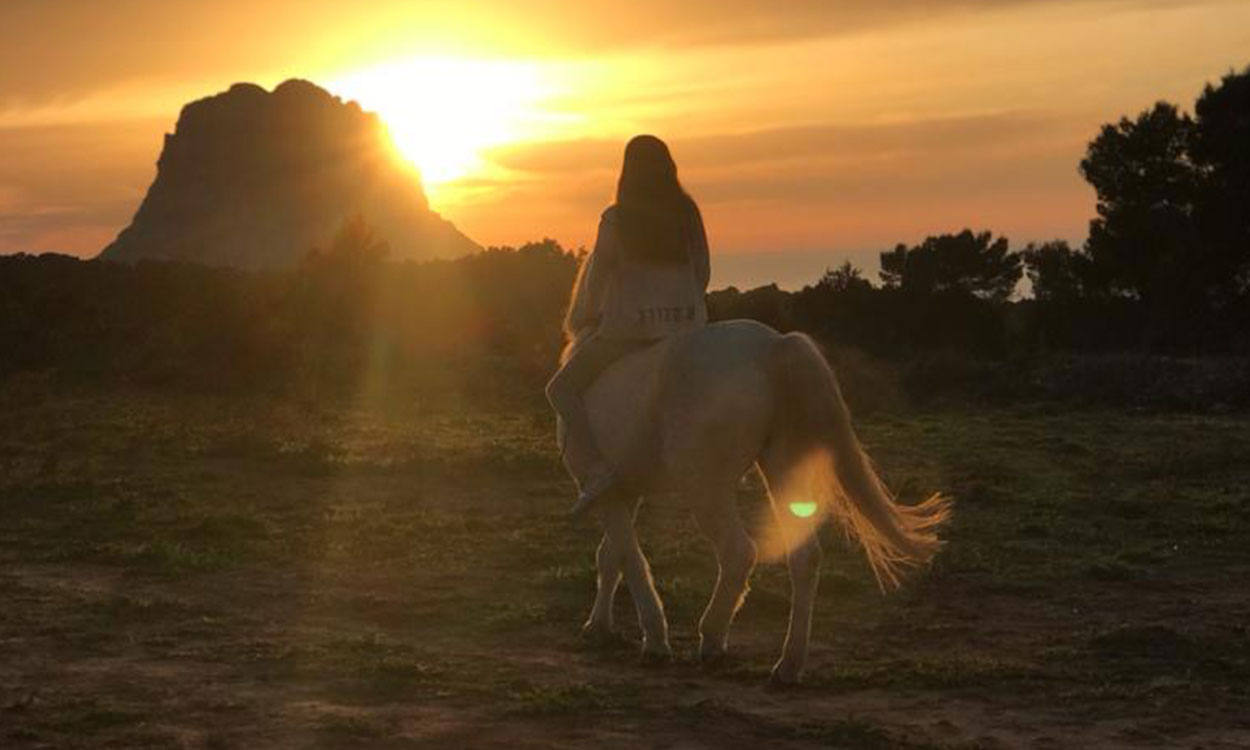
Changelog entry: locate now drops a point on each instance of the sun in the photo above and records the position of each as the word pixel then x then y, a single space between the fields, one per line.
pixel 442 113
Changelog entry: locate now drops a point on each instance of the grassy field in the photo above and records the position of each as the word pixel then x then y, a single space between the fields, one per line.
pixel 212 572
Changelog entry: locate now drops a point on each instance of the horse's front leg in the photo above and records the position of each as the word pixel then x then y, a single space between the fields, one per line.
pixel 599 626
pixel 622 542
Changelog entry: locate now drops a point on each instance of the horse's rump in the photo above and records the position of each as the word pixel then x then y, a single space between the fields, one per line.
pixel 656 410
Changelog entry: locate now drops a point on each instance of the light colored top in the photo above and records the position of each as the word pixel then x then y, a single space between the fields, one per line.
pixel 632 299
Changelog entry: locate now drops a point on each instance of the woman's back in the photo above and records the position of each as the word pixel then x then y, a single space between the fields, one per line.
pixel 648 298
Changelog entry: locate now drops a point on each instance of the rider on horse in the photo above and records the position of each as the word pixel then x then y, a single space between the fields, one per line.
pixel 644 281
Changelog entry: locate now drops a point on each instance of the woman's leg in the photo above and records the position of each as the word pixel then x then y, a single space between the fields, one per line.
pixel 578 449
pixel 566 392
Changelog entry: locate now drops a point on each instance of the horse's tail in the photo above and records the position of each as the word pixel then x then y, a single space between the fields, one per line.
pixel 816 425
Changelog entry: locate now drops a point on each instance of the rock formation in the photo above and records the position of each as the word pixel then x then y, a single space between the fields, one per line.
pixel 255 179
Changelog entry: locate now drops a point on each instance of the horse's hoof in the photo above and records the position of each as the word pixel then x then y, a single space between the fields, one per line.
pixel 655 657
pixel 602 638
pixel 580 509
pixel 784 678
pixel 713 658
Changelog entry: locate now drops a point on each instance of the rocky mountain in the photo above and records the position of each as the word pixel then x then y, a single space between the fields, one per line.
pixel 255 179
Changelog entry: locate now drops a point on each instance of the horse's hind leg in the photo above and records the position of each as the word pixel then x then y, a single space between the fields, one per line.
pixel 621 545
pixel 803 559
pixel 798 527
pixel 717 514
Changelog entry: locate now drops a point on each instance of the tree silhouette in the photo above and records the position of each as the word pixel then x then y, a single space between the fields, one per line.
pixel 1173 225
pixel 977 264
pixel 1146 186
pixel 356 243
pixel 1057 272
pixel 844 278
pixel 1221 149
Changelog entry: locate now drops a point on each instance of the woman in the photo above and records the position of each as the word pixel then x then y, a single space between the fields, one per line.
pixel 644 281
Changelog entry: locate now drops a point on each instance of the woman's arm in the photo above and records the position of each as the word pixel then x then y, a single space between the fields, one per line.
pixel 699 254
pixel 592 281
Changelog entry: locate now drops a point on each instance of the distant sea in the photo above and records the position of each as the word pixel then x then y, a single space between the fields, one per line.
pixel 788 269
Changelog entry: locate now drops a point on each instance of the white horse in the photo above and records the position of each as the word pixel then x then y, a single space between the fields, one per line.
pixel 689 417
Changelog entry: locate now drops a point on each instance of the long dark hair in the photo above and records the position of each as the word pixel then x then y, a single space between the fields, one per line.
pixel 655 216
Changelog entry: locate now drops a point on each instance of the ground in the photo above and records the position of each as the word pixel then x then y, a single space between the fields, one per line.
pixel 221 572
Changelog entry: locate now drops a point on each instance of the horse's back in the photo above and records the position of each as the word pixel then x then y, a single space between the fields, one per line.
pixel 699 399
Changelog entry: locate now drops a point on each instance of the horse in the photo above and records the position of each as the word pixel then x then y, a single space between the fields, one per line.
pixel 687 418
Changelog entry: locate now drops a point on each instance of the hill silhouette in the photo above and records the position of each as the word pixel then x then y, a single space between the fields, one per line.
pixel 255 179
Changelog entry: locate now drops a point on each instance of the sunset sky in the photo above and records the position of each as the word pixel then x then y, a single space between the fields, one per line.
pixel 810 131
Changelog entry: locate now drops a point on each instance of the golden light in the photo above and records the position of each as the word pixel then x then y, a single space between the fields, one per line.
pixel 443 112
pixel 803 500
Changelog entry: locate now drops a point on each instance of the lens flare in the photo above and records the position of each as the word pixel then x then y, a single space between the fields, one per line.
pixel 803 510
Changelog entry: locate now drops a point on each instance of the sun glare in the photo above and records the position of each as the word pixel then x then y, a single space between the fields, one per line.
pixel 442 113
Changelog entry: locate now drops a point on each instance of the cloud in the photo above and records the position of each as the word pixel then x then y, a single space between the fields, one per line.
pixel 53 50
pixel 881 152
pixel 826 142
pixel 833 184
pixel 71 188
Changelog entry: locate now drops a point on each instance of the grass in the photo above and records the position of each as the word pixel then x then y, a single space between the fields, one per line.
pixel 573 699
pixel 382 578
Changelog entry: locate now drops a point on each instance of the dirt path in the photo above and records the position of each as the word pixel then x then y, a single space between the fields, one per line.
pixel 97 656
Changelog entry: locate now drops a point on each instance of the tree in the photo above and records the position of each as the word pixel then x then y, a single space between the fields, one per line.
pixel 977 264
pixel 1146 185
pixel 844 278
pixel 1057 272
pixel 338 298
pixel 1221 150
pixel 355 243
